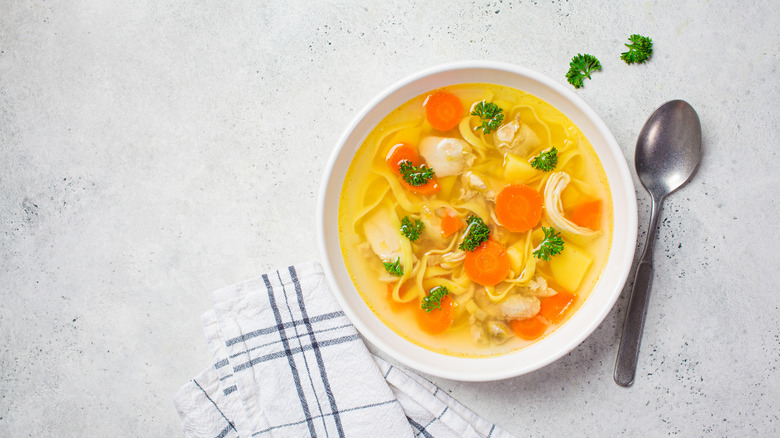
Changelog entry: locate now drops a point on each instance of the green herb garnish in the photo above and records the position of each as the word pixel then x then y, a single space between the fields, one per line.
pixel 551 245
pixel 491 114
pixel 433 299
pixel 394 268
pixel 477 233
pixel 639 50
pixel 414 175
pixel 411 229
pixel 546 161
pixel 581 67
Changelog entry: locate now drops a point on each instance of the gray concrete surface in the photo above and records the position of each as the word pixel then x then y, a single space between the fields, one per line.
pixel 153 151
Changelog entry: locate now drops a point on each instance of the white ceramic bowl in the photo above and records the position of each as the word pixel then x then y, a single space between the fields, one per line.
pixel 566 337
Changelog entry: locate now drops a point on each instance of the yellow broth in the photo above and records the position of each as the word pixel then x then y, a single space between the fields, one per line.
pixel 373 194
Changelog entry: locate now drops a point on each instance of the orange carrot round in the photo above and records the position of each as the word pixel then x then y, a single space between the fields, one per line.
pixel 487 265
pixel 450 224
pixel 403 152
pixel 528 329
pixel 400 153
pixel 437 320
pixel 519 207
pixel 554 308
pixel 587 214
pixel 443 110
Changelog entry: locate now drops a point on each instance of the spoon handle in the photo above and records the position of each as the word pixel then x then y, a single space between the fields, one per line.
pixel 628 352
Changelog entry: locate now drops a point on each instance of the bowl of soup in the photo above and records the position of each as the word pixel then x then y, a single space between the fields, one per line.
pixel 476 221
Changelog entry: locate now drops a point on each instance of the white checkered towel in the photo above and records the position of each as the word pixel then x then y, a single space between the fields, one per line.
pixel 288 363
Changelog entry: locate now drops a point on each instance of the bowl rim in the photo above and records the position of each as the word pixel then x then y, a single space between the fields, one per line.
pixel 626 247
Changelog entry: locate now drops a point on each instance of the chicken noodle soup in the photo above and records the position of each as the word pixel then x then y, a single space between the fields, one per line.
pixel 475 219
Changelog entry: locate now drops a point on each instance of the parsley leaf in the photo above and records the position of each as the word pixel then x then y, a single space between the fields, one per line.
pixel 413 175
pixel 550 246
pixel 546 160
pixel 580 67
pixel 433 299
pixel 477 232
pixel 394 268
pixel 491 114
pixel 639 50
pixel 411 229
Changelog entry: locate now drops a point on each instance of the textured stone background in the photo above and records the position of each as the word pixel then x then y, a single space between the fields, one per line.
pixel 153 152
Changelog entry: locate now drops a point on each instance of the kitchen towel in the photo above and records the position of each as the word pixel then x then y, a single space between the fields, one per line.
pixel 288 363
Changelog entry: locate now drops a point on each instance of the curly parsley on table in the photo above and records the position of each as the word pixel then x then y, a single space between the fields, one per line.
pixel 581 67
pixel 639 50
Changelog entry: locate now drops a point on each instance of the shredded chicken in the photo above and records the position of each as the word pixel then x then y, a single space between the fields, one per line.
pixel 538 286
pixel 473 185
pixel 554 208
pixel 506 133
pixel 517 137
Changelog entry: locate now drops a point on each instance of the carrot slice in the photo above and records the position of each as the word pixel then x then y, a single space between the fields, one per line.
pixel 587 214
pixel 443 110
pixel 437 320
pixel 403 152
pixel 450 224
pixel 487 265
pixel 554 308
pixel 519 207
pixel 400 153
pixel 528 329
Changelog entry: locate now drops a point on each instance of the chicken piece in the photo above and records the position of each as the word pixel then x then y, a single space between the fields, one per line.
pixel 498 331
pixel 520 307
pixel 478 335
pixel 474 181
pixel 506 133
pixel 554 208
pixel 538 287
pixel 446 156
pixel 384 238
pixel 517 137
pixel 473 184
pixel 432 228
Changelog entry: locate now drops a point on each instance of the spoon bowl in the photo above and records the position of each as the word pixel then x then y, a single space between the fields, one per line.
pixel 668 152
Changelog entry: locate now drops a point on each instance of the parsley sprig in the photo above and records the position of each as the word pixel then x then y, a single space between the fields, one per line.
pixel 546 160
pixel 433 299
pixel 580 67
pixel 639 50
pixel 414 175
pixel 491 115
pixel 394 268
pixel 411 230
pixel 551 245
pixel 477 232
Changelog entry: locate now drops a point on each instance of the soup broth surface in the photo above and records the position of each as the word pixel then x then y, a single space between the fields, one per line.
pixel 407 247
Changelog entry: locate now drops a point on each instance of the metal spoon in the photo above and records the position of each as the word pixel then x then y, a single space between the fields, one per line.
pixel 668 152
